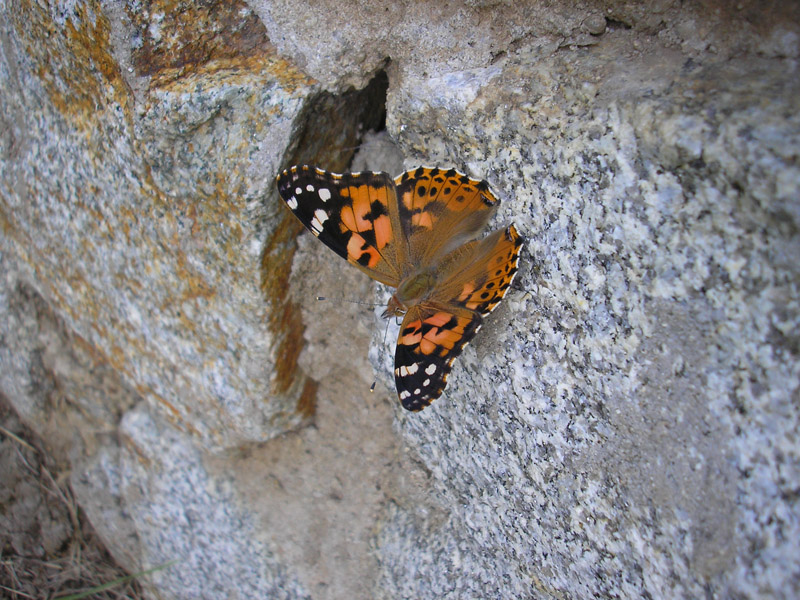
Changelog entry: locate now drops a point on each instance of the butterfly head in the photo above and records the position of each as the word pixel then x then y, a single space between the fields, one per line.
pixel 395 308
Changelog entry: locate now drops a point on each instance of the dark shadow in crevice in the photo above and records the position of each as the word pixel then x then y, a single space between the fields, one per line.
pixel 329 130
pixel 332 125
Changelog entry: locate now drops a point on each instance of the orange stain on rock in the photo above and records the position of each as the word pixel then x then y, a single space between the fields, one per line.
pixel 284 320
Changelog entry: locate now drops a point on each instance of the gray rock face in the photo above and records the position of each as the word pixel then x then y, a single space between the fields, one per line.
pixel 625 424
pixel 102 206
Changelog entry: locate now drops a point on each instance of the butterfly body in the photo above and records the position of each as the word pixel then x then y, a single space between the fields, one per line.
pixel 412 290
pixel 414 233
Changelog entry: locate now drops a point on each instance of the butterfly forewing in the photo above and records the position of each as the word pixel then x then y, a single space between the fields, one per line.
pixel 354 214
pixel 440 210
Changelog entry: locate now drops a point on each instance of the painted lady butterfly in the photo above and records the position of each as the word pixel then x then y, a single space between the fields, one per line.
pixel 414 233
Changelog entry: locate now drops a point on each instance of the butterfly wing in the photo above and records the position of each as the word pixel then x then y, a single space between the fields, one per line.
pixel 477 275
pixel 388 229
pixel 474 279
pixel 441 209
pixel 354 214
pixel 430 339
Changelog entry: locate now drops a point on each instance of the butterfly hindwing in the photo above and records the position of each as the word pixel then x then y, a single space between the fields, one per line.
pixel 477 275
pixel 354 214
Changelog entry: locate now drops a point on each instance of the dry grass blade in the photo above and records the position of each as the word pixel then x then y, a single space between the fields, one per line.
pixel 16 438
pixel 17 593
pixel 47 545
pixel 115 583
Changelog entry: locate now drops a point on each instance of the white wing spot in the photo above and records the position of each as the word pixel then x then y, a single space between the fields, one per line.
pixel 324 194
pixel 320 216
pixel 431 369
pixel 310 187
pixel 417 392
pixel 292 203
pixel 404 394
pixel 408 370
pixel 298 190
pixel 426 383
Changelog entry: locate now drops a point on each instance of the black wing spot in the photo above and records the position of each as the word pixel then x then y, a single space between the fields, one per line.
pixel 369 238
pixel 376 210
pixel 410 330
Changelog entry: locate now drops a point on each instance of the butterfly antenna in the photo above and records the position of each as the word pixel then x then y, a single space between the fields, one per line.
pixel 367 143
pixel 385 333
pixel 360 302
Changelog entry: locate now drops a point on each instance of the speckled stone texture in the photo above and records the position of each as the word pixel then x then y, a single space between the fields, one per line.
pixel 624 425
pixel 132 197
pixel 635 427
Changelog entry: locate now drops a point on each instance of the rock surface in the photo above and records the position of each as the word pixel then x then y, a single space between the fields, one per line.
pixel 624 425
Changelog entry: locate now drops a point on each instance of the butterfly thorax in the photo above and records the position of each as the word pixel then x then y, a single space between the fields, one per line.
pixel 411 291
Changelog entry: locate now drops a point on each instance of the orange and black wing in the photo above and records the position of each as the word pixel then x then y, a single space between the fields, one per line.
pixel 477 275
pixel 441 209
pixel 429 342
pixel 354 214
pixel 474 279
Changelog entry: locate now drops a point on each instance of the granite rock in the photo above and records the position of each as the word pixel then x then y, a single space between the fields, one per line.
pixel 621 427
pixel 624 425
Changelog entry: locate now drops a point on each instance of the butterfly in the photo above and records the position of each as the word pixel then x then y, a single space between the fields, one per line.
pixel 415 233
